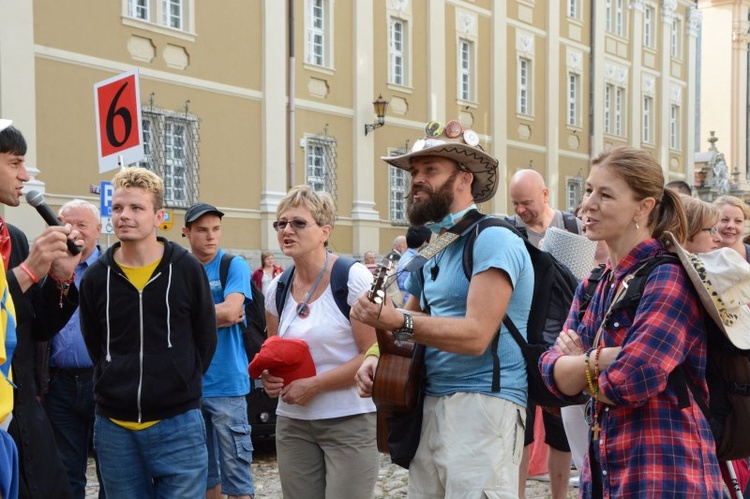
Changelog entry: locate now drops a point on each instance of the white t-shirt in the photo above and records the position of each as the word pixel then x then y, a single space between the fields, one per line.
pixel 329 335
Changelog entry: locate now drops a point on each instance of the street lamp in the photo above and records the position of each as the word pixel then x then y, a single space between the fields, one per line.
pixel 379 106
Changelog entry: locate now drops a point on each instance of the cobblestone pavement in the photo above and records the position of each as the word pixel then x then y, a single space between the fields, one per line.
pixel 392 480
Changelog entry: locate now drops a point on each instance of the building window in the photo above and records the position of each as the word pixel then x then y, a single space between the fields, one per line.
pixel 320 164
pixel 648 107
pixel 170 144
pixel 674 127
pixel 524 86
pixel 614 10
pixel 573 194
pixel 465 69
pixel 169 13
pixel 399 185
pixel 614 110
pixel 573 9
pixel 649 27
pixel 676 39
pixel 316 32
pixel 573 98
pixel 397 73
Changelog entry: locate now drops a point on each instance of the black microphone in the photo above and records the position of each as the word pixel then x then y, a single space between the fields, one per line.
pixel 36 199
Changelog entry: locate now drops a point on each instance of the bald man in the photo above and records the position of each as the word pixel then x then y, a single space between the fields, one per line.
pixel 530 198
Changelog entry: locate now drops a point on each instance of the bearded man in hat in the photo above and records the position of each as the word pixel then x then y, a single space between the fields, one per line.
pixel 226 383
pixel 472 435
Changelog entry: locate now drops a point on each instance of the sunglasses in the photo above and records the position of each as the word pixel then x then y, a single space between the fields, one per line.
pixel 280 225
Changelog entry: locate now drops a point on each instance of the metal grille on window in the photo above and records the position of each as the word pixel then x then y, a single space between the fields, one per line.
pixel 321 164
pixel 171 150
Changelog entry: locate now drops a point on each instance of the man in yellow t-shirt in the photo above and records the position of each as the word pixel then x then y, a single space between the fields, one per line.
pixel 148 320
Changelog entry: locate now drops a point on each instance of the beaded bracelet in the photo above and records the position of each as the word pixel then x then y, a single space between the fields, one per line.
pixel 63 285
pixel 589 378
pixel 597 372
pixel 29 273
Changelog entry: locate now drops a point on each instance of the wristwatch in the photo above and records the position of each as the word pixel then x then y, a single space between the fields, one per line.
pixel 406 332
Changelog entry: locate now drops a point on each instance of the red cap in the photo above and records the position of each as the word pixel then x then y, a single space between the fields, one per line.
pixel 288 359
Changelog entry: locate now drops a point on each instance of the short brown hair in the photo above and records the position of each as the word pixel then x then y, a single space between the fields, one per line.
pixel 141 178
pixel 700 215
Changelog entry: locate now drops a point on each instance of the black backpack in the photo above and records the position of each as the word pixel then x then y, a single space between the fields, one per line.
pixel 254 332
pixel 554 287
pixel 727 369
pixel 339 285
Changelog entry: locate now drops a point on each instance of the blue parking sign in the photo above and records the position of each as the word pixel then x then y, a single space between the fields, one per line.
pixel 105 198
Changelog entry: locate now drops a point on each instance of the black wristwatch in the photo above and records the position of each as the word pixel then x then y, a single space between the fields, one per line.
pixel 406 332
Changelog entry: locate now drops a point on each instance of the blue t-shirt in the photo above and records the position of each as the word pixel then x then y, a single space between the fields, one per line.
pixel 227 375
pixel 449 373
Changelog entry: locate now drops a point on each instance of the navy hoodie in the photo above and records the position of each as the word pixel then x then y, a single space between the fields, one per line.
pixel 150 348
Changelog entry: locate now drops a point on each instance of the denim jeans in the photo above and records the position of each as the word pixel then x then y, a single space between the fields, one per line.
pixel 167 459
pixel 230 448
pixel 69 404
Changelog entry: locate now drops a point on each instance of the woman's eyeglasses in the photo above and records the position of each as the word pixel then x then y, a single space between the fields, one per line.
pixel 280 225
pixel 714 231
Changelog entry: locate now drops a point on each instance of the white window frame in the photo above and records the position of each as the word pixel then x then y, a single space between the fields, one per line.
pixel 574 98
pixel 608 91
pixel 524 80
pixel 320 174
pixel 465 64
pixel 619 116
pixel 615 102
pixel 573 11
pixel 397 67
pixel 649 27
pixel 608 15
pixel 573 193
pixel 168 17
pixel 317 33
pixel 170 146
pixel 619 17
pixel 675 39
pixel 674 127
pixel 398 182
pixel 648 119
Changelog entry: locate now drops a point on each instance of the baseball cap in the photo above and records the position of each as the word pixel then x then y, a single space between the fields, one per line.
pixel 286 358
pixel 197 210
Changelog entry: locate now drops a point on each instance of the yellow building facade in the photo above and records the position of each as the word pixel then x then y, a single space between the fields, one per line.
pixel 545 84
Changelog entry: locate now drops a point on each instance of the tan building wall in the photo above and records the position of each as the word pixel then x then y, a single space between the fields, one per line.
pixel 228 68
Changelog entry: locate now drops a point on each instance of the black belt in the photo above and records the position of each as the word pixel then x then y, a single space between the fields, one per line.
pixel 74 372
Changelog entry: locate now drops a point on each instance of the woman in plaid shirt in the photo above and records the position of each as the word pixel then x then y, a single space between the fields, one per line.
pixel 642 443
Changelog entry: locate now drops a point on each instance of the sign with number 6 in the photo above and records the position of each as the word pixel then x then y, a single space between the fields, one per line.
pixel 119 134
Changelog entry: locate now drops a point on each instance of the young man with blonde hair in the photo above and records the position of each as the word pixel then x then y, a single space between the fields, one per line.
pixel 148 320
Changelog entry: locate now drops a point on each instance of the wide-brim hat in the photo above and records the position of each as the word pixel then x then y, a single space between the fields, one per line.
pixel 5 124
pixel 722 280
pixel 285 358
pixel 459 144
pixel 574 251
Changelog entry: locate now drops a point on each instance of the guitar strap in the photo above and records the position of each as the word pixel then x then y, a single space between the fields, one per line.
pixel 462 228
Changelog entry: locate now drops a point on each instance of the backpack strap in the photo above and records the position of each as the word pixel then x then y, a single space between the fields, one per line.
pixel 226 260
pixel 339 285
pixel 592 282
pixel 570 222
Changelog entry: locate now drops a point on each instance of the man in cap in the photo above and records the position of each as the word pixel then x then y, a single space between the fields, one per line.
pixel 226 383
pixel 530 198
pixel 43 291
pixel 472 435
pixel 150 328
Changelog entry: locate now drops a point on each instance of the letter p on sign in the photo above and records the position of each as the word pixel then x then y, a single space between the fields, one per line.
pixel 118 121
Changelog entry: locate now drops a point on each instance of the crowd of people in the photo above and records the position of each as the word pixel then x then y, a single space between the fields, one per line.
pixel 138 348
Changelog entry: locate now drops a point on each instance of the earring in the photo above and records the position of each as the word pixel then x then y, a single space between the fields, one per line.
pixel 637 225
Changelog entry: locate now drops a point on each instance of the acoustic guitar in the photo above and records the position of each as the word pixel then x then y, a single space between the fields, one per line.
pixel 398 377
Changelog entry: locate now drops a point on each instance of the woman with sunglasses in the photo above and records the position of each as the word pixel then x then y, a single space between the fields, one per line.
pixel 325 433
pixel 641 442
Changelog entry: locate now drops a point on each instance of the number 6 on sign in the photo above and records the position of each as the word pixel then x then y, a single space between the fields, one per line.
pixel 118 120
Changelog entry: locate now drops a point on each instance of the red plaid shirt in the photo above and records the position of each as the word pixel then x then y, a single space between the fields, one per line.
pixel 648 447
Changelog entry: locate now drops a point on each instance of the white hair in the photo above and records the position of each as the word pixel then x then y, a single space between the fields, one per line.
pixel 79 203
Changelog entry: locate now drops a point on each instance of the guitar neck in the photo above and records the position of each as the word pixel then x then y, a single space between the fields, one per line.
pixel 388 345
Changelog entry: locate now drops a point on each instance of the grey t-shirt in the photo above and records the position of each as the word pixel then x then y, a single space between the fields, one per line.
pixel 536 237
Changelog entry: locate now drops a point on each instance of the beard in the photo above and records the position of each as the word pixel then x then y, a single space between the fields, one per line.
pixel 435 207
